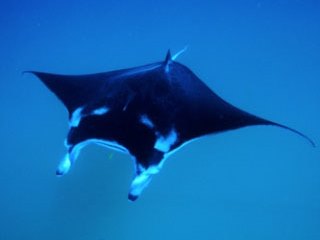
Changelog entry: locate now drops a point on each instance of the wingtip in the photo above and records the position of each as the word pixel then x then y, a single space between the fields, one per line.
pixel 31 72
pixel 307 138
pixel 26 72
pixel 313 144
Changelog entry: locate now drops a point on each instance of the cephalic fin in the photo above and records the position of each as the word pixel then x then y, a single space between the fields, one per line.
pixel 142 180
pixel 168 57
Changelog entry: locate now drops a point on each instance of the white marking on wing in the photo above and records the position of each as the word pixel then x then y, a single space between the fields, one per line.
pixel 76 117
pixel 164 143
pixel 157 168
pixel 144 119
pixel 100 111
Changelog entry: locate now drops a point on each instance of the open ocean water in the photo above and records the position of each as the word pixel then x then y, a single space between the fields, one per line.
pixel 253 183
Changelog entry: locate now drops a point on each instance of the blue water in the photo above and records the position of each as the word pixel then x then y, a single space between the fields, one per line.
pixel 253 183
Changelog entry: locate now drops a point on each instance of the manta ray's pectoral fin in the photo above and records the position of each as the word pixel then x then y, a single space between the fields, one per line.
pixel 141 181
pixel 70 157
pixel 68 160
pixel 144 173
pixel 64 165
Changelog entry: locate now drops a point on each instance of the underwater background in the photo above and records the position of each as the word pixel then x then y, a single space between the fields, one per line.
pixel 252 183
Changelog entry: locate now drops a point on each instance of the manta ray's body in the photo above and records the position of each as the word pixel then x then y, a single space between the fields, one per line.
pixel 147 111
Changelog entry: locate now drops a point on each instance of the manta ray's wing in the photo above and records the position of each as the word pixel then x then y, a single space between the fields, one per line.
pixel 201 111
pixel 148 112
pixel 74 90
pixel 107 109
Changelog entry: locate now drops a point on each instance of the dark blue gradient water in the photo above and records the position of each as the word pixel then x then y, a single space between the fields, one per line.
pixel 253 183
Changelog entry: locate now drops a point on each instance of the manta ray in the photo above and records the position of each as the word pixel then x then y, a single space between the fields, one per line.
pixel 148 112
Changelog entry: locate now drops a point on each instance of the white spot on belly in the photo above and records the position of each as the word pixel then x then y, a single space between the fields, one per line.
pixel 164 143
pixel 144 119
pixel 100 111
